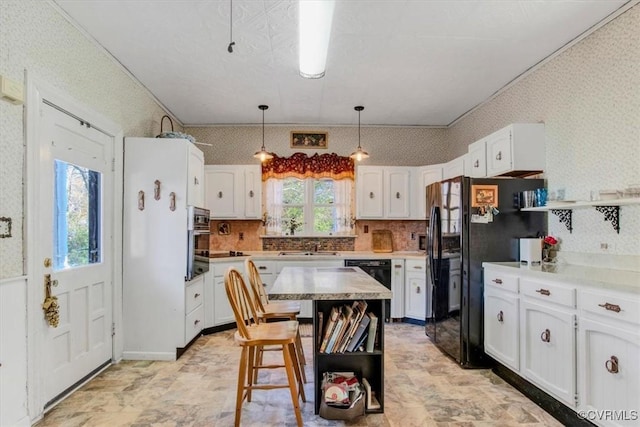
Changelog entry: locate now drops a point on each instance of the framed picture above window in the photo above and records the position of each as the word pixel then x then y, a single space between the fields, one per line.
pixel 309 139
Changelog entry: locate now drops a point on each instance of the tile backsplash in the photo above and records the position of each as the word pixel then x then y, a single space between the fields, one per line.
pixel 245 236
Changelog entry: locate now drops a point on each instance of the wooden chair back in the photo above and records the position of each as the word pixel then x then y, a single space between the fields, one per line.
pixel 257 286
pixel 241 302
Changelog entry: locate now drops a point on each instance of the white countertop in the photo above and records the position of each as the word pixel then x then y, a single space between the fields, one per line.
pixel 326 283
pixel 341 255
pixel 603 278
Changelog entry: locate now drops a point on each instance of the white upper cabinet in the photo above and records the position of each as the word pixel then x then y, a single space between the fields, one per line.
pixel 454 168
pixel 234 191
pixel 369 192
pixel 397 187
pixel 195 183
pixel 476 166
pixel 223 195
pixel 252 191
pixel 383 192
pixel 516 150
pixel 424 176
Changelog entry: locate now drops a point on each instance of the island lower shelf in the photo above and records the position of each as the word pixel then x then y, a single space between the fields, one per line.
pixel 369 365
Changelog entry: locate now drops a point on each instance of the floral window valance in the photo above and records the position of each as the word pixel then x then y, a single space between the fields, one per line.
pixel 301 166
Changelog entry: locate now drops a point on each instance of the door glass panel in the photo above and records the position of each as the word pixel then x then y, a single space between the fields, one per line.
pixel 76 228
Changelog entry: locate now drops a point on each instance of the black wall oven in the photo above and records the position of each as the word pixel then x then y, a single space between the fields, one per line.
pixel 198 240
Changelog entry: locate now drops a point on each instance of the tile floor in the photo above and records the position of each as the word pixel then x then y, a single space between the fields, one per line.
pixel 422 388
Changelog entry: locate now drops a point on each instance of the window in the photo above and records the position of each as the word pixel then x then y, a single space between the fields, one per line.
pixel 308 206
pixel 77 216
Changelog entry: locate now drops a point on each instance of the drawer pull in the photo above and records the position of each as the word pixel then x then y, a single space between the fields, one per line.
pixel 612 365
pixel 476 164
pixel 397 194
pixel 262 267
pixel 610 307
pixel 195 322
pixel 417 289
pixel 398 266
pixel 371 196
pixel 417 267
pixel 498 281
pixel 501 317
pixel 251 193
pixel 196 295
pixel 499 155
pixel 544 292
pixel 219 194
pixel 546 336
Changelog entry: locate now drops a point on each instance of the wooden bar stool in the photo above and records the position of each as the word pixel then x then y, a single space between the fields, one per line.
pixel 268 310
pixel 252 337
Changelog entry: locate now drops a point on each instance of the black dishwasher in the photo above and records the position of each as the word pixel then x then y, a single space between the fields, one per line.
pixel 379 269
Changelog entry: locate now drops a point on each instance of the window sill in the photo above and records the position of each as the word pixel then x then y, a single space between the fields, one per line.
pixel 307 236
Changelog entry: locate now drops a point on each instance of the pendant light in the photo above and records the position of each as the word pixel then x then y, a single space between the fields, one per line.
pixel 263 154
pixel 359 154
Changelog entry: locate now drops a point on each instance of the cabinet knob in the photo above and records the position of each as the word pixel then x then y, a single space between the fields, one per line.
pixel 371 195
pixel 546 336
pixel 172 201
pixel 195 322
pixel 544 292
pixel 476 164
pixel 195 180
pixel 397 194
pixel 417 289
pixel 498 281
pixel 251 193
pixel 196 295
pixel 612 365
pixel 610 307
pixel 499 155
pixel 219 194
pixel 500 316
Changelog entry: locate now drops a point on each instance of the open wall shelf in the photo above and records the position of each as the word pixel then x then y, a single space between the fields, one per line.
pixel 609 208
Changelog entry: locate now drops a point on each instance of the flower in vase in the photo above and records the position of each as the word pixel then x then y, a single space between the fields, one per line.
pixel 549 242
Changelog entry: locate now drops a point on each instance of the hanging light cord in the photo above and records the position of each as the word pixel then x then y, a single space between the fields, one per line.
pixel 263 149
pixel 359 147
pixel 232 43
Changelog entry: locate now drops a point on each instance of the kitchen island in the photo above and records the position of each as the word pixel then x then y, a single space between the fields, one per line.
pixel 334 286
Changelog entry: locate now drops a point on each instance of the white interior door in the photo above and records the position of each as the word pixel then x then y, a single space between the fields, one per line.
pixel 75 247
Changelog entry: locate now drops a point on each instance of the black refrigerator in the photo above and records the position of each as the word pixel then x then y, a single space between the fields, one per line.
pixel 472 220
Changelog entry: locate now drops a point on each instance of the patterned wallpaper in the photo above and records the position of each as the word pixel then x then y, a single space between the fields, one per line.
pixel 386 145
pixel 589 99
pixel 36 38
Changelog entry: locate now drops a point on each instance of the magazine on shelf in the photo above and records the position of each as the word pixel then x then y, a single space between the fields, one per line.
pixel 373 326
pixel 331 323
pixel 363 327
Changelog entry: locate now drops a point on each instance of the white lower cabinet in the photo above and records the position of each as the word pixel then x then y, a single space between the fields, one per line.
pixel 415 291
pixel 580 344
pixel 194 317
pixel 548 343
pixel 222 312
pixel 609 356
pixel 397 289
pixel 502 326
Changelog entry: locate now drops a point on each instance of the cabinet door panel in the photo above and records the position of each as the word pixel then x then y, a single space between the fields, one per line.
pixel 548 350
pixel 195 180
pixel 223 313
pixel 499 152
pixel 370 201
pixel 501 328
pixel 599 388
pixel 416 296
pixel 252 192
pixel 222 194
pixel 397 192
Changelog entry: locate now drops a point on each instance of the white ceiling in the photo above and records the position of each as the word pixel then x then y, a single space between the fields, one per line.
pixel 409 62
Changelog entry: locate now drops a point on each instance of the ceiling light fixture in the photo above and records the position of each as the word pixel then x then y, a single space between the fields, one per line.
pixel 263 154
pixel 359 154
pixel 314 29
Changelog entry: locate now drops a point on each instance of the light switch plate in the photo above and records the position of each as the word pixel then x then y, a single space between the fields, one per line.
pixel 11 90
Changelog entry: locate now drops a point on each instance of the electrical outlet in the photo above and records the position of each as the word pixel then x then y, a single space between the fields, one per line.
pixel 605 247
pixel 366 228
pixel 413 236
pixel 241 236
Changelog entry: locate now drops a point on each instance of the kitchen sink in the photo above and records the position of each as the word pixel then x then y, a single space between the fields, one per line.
pixel 308 253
